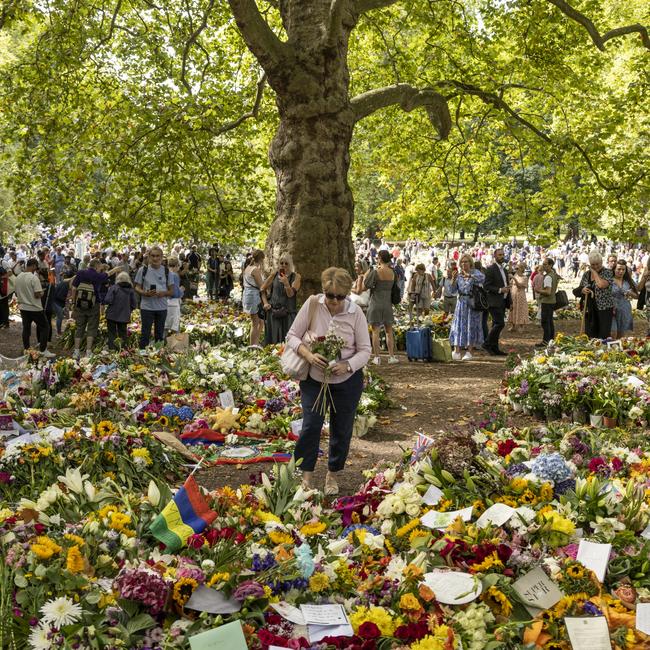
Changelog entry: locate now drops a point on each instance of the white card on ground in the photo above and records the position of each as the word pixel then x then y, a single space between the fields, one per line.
pixel 496 514
pixel 589 633
pixel 291 613
pixel 594 556
pixel 432 496
pixel 24 439
pixel 537 590
pixel 441 520
pixel 238 452
pixel 324 614
pixel 318 632
pixel 239 332
pixel 646 532
pixel 296 427
pixel 227 399
pixel 643 617
pixel 453 587
pixel 205 599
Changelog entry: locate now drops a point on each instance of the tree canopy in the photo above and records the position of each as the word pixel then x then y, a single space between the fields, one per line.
pixel 159 117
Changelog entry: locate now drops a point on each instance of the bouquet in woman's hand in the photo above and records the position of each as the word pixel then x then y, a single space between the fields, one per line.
pixel 330 347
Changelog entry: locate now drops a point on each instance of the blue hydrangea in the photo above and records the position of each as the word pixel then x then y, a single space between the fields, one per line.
pixel 185 413
pixel 169 411
pixel 551 467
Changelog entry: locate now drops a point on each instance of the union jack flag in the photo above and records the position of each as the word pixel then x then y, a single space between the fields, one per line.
pixel 422 443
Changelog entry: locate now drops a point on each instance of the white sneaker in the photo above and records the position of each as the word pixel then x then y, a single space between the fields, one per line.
pixel 76 354
pixel 467 356
pixel 456 356
pixel 48 355
pixel 376 361
pixel 393 360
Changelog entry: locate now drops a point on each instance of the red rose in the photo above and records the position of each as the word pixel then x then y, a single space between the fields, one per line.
pixel 39 529
pixel 195 541
pixel 369 630
pixel 505 448
pixel 617 464
pixel 260 403
pixel 211 536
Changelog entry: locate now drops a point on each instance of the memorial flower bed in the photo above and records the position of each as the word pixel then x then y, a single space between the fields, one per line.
pixel 578 377
pixel 82 569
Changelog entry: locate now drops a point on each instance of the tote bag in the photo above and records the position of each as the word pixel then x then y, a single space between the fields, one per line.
pixel 292 363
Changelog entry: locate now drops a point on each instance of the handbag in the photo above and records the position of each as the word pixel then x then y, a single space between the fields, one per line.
pixel 561 300
pixel 395 294
pixel 478 299
pixel 279 312
pixel 261 312
pixel 292 363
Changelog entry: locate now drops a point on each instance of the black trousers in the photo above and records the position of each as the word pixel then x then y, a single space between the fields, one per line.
pixel 598 325
pixel 116 329
pixel 498 323
pixel 343 409
pixel 42 328
pixel 4 311
pixel 548 326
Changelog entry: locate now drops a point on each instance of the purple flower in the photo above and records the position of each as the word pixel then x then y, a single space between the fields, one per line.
pixel 142 586
pixel 248 589
pixel 523 389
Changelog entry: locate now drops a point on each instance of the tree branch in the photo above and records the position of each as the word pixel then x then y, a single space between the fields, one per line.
pixel 497 101
pixel 361 6
pixel 598 39
pixel 408 98
pixel 268 49
pixel 334 21
pixel 190 41
pixel 249 114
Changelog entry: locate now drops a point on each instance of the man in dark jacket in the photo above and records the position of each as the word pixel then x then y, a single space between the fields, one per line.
pixel 498 292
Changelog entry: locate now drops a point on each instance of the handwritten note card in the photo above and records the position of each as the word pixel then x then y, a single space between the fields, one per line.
pixel 227 399
pixel 229 636
pixel 643 617
pixel 595 557
pixel 442 520
pixel 324 614
pixel 497 515
pixel 537 591
pixel 432 496
pixel 296 427
pixel 588 633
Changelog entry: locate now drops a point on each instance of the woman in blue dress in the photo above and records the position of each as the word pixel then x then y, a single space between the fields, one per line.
pixel 466 330
pixel 623 288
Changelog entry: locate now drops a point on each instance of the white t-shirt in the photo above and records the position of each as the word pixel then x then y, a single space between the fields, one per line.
pixel 548 282
pixel 26 286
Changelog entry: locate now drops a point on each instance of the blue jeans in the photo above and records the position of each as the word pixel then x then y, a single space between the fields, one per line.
pixel 342 411
pixel 157 319
pixel 59 310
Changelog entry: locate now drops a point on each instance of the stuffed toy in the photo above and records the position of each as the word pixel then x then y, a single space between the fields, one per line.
pixel 223 420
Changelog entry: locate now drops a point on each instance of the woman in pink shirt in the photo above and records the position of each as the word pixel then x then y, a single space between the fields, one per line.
pixel 334 313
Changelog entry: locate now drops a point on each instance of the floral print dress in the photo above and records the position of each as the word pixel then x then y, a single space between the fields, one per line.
pixel 466 329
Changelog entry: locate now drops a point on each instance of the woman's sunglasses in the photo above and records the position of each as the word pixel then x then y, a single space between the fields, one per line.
pixel 335 296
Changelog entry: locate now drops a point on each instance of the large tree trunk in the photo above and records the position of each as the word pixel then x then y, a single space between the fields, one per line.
pixel 314 205
pixel 310 152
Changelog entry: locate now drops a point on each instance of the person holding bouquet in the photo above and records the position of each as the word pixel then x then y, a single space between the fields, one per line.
pixel 331 333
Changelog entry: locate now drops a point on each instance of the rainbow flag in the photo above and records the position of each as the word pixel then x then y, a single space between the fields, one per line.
pixel 187 514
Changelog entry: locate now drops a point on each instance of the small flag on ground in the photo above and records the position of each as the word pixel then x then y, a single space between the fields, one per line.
pixel 420 448
pixel 186 514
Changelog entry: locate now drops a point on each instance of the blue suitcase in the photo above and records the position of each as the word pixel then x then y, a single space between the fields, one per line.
pixel 418 344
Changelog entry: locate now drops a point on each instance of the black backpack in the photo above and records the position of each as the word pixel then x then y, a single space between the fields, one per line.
pixel 478 299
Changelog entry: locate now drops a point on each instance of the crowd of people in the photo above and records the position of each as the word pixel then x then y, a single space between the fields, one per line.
pixel 454 275
pixel 52 283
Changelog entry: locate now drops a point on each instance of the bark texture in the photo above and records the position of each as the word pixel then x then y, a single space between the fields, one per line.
pixel 310 152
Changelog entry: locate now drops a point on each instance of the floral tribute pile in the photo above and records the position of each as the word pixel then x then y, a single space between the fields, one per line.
pixel 578 377
pixel 205 322
pixel 539 525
